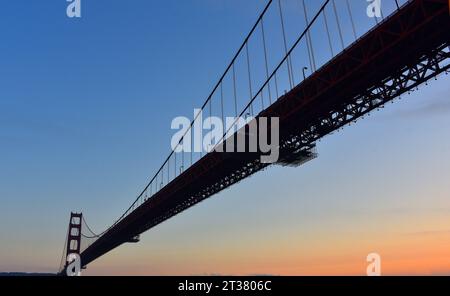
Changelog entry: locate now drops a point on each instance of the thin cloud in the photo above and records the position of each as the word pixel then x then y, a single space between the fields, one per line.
pixel 429 232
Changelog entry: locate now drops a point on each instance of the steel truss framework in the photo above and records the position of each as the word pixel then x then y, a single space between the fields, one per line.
pixel 377 96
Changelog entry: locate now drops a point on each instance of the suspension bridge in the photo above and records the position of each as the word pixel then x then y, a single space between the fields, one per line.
pixel 318 66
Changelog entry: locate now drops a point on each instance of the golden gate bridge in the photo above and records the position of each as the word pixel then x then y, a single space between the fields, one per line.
pixel 325 78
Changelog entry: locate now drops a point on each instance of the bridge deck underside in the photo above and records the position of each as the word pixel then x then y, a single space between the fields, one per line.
pixel 404 51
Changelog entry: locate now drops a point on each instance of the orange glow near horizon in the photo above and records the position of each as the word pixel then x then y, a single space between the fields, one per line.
pixel 408 254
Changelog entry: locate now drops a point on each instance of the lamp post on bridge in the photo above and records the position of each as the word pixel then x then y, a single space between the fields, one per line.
pixel 303 71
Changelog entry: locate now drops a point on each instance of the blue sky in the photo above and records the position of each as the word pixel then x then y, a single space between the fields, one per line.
pixel 85 112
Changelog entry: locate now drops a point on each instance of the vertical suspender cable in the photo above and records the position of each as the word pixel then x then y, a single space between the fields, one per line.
pixel 182 157
pixel 276 85
pixel 221 101
pixel 192 142
pixel 201 146
pixel 328 33
pixel 249 78
pixel 309 40
pixel 234 91
pixel 351 18
pixel 262 99
pixel 288 62
pixel 338 25
pixel 210 120
pixel 265 59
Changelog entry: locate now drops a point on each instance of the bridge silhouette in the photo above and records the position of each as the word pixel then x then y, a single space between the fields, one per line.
pixel 326 77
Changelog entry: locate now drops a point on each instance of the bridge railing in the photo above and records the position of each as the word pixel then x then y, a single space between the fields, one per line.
pixel 290 40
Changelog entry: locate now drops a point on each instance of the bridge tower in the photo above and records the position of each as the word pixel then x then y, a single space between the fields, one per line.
pixel 74 234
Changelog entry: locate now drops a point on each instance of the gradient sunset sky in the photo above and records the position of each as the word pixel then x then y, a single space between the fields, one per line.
pixel 85 113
